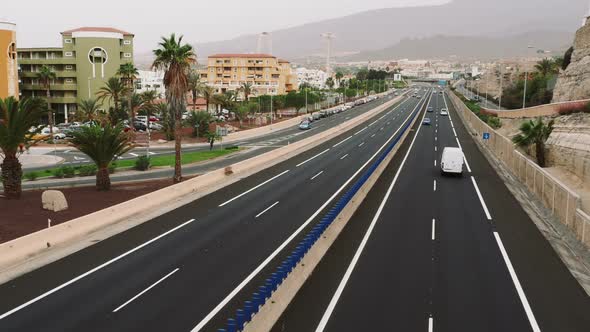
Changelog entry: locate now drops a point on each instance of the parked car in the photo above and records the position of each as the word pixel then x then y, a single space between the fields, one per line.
pixel 316 116
pixel 156 126
pixel 139 126
pixel 452 161
pixel 59 136
pixel 305 125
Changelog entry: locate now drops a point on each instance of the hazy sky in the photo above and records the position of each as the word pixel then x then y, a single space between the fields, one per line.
pixel 40 22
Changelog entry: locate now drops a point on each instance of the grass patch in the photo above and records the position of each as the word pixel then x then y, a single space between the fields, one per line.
pixel 156 161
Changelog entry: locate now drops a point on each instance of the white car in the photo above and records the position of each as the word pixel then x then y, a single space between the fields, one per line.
pixel 444 112
pixel 451 161
pixel 59 136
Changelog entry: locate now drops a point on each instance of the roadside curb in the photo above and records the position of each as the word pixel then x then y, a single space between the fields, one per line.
pixel 32 251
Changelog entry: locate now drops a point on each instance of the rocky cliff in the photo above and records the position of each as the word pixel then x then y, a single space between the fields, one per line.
pixel 574 82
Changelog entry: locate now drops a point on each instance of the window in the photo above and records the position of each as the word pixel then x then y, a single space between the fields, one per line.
pixel 67 41
pixel 69 67
pixel 127 42
pixel 69 54
pixel 69 81
pixel 126 55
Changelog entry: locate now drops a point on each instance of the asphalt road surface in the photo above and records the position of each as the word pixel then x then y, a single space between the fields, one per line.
pixel 189 269
pixel 427 252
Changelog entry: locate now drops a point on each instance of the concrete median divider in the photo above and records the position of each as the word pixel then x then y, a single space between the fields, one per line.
pixel 32 251
pixel 272 298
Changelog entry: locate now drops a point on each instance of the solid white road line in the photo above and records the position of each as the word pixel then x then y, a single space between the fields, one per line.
pixel 151 153
pixel 430 324
pixel 315 176
pixel 267 209
pixel 272 256
pixel 363 143
pixel 341 142
pixel 146 290
pixel 344 157
pixel 483 203
pixel 454 132
pixel 252 189
pixel 433 229
pixel 350 269
pixel 434 185
pixel 44 295
pixel 134 154
pixel 521 294
pixel 312 158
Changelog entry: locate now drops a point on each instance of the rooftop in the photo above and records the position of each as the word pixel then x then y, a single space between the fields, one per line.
pixel 242 55
pixel 96 29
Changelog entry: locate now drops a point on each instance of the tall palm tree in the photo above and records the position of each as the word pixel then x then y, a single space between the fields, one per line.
pixel 339 77
pixel 46 75
pixel 102 145
pixel 89 109
pixel 246 89
pixel 537 133
pixel 113 90
pixel 16 117
pixel 194 86
pixel 545 67
pixel 207 92
pixel 128 73
pixel 149 97
pixel 175 58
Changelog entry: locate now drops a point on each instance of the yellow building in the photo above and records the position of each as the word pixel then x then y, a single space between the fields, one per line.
pixel 8 66
pixel 267 74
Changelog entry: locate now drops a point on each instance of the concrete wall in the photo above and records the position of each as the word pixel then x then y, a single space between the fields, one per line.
pixel 563 202
pixel 537 111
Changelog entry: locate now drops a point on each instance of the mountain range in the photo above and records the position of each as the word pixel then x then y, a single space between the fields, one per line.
pixel 380 32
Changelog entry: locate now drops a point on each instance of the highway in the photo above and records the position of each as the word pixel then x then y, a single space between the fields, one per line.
pixel 189 269
pixel 427 252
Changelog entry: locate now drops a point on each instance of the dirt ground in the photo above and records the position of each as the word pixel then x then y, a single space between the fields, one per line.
pixel 25 216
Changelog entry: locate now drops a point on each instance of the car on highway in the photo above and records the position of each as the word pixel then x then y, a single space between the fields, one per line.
pixel 430 109
pixel 305 125
pixel 451 161
pixel 426 121
pixel 444 112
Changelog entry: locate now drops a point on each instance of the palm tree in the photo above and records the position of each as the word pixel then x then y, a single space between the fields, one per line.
pixel 16 117
pixel 89 109
pixel 339 77
pixel 545 67
pixel 246 89
pixel 194 86
pixel 149 97
pixel 128 73
pixel 175 58
pixel 207 92
pixel 102 145
pixel 46 75
pixel 537 133
pixel 113 90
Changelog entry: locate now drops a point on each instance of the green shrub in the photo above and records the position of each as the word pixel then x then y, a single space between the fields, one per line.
pixel 69 172
pixel 59 173
pixel 494 122
pixel 142 163
pixel 31 176
pixel 87 170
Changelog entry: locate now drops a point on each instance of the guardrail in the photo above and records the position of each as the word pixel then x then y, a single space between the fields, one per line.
pixel 562 201
pixel 258 299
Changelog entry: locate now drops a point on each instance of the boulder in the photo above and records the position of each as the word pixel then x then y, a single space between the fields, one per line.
pixel 54 200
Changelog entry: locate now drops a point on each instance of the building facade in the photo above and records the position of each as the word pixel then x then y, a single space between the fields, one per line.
pixel 150 80
pixel 87 58
pixel 267 74
pixel 8 62
pixel 314 77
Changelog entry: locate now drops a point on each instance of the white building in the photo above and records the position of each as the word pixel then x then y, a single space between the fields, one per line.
pixel 150 80
pixel 314 77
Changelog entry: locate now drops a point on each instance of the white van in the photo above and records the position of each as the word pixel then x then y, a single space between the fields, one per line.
pixel 451 161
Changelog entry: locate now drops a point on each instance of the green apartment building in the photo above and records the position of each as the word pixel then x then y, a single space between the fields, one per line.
pixel 87 59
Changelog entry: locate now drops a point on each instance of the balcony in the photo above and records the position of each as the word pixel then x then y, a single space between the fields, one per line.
pixel 64 100
pixel 59 74
pixel 54 87
pixel 57 61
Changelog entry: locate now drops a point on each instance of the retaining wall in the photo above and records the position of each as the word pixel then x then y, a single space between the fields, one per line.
pixel 563 202
pixel 537 111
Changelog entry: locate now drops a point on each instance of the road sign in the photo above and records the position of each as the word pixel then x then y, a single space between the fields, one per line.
pixel 486 136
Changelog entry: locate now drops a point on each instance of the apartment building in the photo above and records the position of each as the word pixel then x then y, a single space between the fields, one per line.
pixel 267 74
pixel 87 58
pixel 8 65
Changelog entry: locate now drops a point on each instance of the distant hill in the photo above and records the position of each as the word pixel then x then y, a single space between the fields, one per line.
pixel 379 29
pixel 470 47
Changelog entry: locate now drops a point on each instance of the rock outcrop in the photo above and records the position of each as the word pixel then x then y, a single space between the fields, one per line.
pixel 574 82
